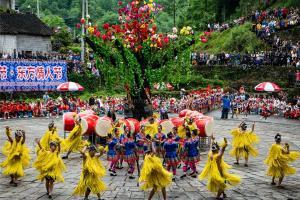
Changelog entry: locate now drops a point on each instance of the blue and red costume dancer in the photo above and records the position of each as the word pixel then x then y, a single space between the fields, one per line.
pixel 130 157
pixel 159 139
pixel 141 141
pixel 112 154
pixel 171 158
pixel 192 154
pixel 119 148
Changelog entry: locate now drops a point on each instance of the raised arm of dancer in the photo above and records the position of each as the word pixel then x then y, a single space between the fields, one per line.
pixel 23 138
pixel 8 134
pixel 37 141
pixel 82 152
pixel 223 148
pixel 253 125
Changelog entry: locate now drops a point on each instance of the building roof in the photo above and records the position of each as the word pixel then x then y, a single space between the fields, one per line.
pixel 27 24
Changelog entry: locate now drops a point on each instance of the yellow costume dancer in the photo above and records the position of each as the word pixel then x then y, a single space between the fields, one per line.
pixel 154 176
pixel 278 160
pixel 151 128
pixel 215 171
pixel 92 172
pixel 50 165
pixel 243 143
pixel 117 125
pixel 50 135
pixel 17 156
pixel 74 141
pixel 188 124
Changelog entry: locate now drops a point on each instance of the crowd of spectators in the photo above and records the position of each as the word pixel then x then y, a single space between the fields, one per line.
pixel 260 105
pixel 266 24
pixel 270 21
pixel 275 57
pixel 202 101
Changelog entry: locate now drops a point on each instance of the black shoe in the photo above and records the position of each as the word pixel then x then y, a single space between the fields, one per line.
pixel 273 183
pixel 14 184
pixel 173 179
pixel 236 163
pixel 178 167
pixel 246 165
pixel 280 187
pixel 64 157
pixel 183 176
pixel 50 196
pixel 131 177
pixel 113 174
pixel 110 170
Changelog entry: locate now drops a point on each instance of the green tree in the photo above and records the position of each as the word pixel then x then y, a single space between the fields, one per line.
pixel 54 21
pixel 61 39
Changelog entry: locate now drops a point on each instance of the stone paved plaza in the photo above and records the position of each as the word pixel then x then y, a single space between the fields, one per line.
pixel 255 184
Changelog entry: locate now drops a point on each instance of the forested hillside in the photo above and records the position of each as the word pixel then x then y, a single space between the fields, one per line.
pixel 195 13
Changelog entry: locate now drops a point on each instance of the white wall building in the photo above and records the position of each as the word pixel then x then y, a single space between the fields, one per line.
pixel 23 33
pixel 9 4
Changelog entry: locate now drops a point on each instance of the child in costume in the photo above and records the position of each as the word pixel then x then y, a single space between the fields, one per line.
pixel 192 156
pixel 140 139
pixel 215 171
pixel 112 154
pixel 129 155
pixel 92 172
pixel 17 156
pixel 278 160
pixel 74 141
pixel 153 175
pixel 50 165
pixel 50 135
pixel 119 148
pixel 171 158
pixel 159 139
pixel 243 143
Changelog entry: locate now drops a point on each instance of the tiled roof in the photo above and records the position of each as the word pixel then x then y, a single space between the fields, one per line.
pixel 28 24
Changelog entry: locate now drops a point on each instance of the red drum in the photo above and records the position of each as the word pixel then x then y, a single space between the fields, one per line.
pixel 103 126
pixel 196 114
pixel 177 121
pixel 205 126
pixel 167 126
pixel 89 112
pixel 135 123
pixel 89 124
pixel 68 121
pixel 107 118
pixel 183 112
pixel 144 122
pixel 188 113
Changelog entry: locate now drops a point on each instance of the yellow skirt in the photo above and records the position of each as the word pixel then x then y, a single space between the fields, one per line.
pixel 153 175
pixel 241 151
pixel 279 167
pixel 89 181
pixel 15 163
pixel 73 145
pixel 50 166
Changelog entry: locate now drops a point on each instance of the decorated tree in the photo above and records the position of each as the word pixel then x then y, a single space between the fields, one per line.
pixel 129 51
